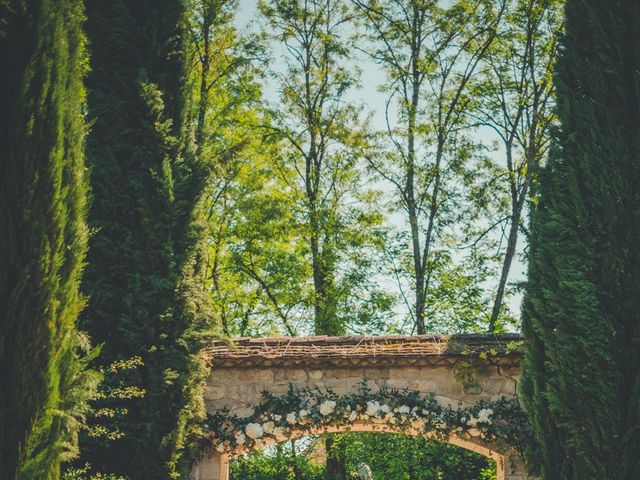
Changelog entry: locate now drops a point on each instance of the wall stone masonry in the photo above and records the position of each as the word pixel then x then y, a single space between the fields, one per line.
pixel 458 369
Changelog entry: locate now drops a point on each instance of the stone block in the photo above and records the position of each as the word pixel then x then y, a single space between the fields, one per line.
pixel 256 375
pixel 244 393
pixel 215 392
pixel 294 375
pixel 398 383
pixel 492 386
pixel 377 373
pixel 424 386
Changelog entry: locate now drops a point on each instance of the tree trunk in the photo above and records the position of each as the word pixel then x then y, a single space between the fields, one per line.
pixel 335 461
pixel 512 242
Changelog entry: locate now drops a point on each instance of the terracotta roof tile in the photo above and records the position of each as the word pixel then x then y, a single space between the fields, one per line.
pixel 296 351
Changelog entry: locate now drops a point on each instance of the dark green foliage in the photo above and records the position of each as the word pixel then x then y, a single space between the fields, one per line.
pixel 582 314
pixel 145 302
pixel 43 235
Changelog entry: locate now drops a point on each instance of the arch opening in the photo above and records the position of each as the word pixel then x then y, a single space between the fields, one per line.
pixel 384 455
pixel 216 466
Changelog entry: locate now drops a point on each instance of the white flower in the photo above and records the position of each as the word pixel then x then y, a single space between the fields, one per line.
pixel 291 418
pixel 372 408
pixel 254 430
pixel 384 408
pixel 404 409
pixel 303 413
pixel 472 422
pixel 268 427
pixel 353 416
pixel 221 448
pixel 327 407
pixel 240 438
pixel 277 418
pixel 484 414
pixel 278 432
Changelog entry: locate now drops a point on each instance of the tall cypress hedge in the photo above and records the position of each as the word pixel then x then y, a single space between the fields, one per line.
pixel 146 304
pixel 43 234
pixel 581 381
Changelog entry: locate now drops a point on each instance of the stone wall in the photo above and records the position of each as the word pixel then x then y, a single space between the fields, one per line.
pixel 454 375
pixel 238 388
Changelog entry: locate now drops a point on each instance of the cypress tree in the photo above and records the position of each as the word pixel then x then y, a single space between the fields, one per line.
pixel 43 234
pixel 145 307
pixel 581 380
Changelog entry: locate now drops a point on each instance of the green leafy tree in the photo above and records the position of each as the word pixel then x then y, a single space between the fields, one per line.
pixel 290 461
pixel 43 236
pixel 402 457
pixel 515 99
pixel 429 51
pixel 580 379
pixel 253 269
pixel 323 143
pixel 147 306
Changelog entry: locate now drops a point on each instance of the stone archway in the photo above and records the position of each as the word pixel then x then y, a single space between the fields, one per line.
pixel 459 370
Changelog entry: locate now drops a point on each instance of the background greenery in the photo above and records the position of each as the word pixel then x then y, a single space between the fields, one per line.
pixel 390 457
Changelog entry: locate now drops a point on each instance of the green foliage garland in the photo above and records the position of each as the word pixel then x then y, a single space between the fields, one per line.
pixel 501 423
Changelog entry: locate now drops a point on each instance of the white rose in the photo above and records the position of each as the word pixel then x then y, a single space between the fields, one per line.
pixel 385 408
pixel 353 416
pixel 278 432
pixel 291 418
pixel 303 413
pixel 484 414
pixel 327 407
pixel 404 409
pixel 268 427
pixel 220 448
pixel 254 430
pixel 372 408
pixel 240 438
pixel 277 418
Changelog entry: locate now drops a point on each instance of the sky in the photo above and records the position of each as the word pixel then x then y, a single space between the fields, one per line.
pixel 247 19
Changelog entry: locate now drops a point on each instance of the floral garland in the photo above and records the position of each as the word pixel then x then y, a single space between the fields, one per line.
pixel 501 423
